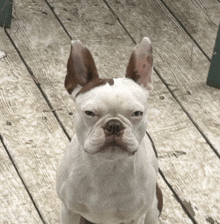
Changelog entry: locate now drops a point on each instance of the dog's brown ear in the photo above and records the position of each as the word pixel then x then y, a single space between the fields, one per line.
pixel 81 67
pixel 140 66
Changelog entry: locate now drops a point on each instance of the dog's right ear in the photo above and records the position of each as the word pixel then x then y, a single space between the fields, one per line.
pixel 81 68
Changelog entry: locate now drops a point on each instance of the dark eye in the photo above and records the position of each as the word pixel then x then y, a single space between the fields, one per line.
pixel 90 113
pixel 137 114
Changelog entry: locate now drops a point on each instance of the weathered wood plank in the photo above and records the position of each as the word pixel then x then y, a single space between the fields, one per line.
pixel 33 137
pixel 172 211
pixel 200 18
pixel 181 64
pixel 186 159
pixel 45 47
pixel 184 156
pixel 15 203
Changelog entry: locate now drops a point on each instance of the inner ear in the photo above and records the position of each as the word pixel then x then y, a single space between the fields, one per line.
pixel 140 66
pixel 81 68
pixel 132 71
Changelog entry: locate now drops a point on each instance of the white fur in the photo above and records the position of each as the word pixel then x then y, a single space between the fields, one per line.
pixel 109 186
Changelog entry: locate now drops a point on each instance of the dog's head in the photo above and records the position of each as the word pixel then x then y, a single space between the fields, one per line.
pixel 111 114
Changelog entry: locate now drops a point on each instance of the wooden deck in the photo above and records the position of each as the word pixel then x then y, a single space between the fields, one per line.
pixel 36 113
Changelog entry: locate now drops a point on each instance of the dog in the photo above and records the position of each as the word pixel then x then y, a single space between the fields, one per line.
pixel 108 173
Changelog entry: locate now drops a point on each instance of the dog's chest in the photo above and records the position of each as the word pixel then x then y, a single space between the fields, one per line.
pixel 115 191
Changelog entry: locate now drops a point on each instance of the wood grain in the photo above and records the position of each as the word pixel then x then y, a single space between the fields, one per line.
pixel 45 47
pixel 172 211
pixel 200 18
pixel 33 138
pixel 186 160
pixel 15 203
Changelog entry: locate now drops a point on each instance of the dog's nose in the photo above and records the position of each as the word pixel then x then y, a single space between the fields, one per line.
pixel 114 127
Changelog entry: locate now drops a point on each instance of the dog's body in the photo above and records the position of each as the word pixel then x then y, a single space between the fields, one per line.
pixel 108 174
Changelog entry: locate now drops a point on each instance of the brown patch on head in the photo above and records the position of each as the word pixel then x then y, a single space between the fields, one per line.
pixel 159 198
pixel 95 83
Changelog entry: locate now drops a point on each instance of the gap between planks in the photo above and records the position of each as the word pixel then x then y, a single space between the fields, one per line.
pixel 175 17
pixel 38 86
pixel 185 30
pixel 20 177
pixel 188 115
pixel 170 186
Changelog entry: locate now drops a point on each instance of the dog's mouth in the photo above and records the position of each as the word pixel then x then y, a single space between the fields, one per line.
pixel 114 144
pixel 113 148
pixel 114 141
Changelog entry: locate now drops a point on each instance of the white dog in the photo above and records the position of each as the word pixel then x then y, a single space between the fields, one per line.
pixel 108 174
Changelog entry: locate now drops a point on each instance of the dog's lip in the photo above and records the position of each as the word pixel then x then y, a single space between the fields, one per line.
pixel 115 144
pixel 114 140
pixel 114 148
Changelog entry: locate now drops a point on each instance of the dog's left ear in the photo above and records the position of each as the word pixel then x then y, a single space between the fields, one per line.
pixel 140 66
pixel 81 68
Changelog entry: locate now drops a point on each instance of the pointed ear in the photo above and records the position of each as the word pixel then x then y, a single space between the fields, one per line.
pixel 140 66
pixel 81 67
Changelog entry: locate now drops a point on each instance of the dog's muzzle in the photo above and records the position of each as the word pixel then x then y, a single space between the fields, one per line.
pixel 114 130
pixel 112 138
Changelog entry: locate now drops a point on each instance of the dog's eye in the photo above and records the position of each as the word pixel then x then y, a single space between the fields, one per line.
pixel 90 113
pixel 137 114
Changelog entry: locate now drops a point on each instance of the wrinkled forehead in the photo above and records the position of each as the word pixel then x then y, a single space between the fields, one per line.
pixel 117 92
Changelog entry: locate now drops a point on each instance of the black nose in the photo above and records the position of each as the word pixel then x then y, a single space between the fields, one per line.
pixel 114 127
